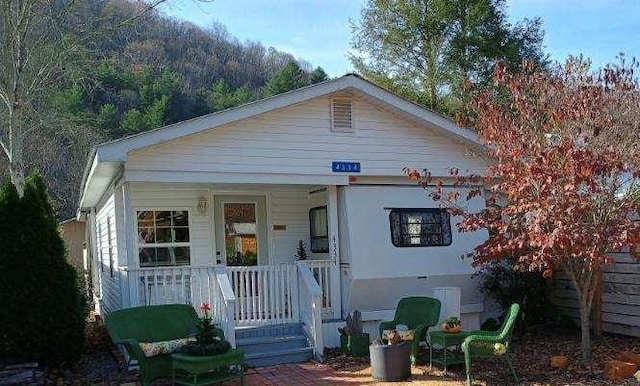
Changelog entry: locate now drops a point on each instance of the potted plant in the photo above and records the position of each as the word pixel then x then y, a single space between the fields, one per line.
pixel 451 325
pixel 352 340
pixel 209 339
pixel 301 251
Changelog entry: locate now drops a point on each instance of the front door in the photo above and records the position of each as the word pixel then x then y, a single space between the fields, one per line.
pixel 241 230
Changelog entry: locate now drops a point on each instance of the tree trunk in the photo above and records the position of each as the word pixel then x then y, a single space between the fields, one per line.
pixel 585 332
pixel 15 147
pixel 584 278
pixel 597 308
pixel 17 176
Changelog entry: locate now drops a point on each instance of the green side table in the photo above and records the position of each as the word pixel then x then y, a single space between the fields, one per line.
pixel 446 340
pixel 193 370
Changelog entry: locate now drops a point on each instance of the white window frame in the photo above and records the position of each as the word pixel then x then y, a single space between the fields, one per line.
pixel 140 245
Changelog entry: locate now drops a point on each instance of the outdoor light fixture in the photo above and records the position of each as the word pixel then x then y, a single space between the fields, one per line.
pixel 203 205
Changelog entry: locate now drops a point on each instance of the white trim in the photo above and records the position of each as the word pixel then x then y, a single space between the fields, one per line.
pixel 234 178
pixel 269 219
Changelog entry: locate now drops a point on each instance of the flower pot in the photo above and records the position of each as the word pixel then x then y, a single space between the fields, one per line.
pixel 451 330
pixel 390 362
pixel 355 345
pixel 344 343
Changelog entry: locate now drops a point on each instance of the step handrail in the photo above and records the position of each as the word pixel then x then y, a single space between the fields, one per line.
pixel 310 300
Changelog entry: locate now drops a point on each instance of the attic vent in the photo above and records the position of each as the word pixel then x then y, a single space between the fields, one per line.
pixel 341 115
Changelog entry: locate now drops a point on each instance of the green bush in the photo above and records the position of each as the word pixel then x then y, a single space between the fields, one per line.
pixel 505 285
pixel 41 303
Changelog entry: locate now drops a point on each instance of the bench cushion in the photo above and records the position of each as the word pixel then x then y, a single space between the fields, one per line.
pixel 152 349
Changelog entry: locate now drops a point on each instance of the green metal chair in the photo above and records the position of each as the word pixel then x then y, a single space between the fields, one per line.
pixel 418 313
pixel 491 344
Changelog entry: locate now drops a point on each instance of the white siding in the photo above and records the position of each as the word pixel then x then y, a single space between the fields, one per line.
pixel 177 197
pixel 290 208
pixel 297 140
pixel 285 206
pixel 107 248
pixel 372 254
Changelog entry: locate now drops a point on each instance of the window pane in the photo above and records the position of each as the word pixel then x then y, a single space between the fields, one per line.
pixel 181 219
pixel 420 227
pixel 146 235
pixel 147 257
pixel 181 255
pixel 163 219
pixel 163 235
pixel 319 224
pixel 163 256
pixel 181 235
pixel 319 229
pixel 240 233
pixel 320 245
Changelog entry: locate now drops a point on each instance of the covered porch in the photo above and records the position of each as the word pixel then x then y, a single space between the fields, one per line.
pixel 304 292
pixel 231 245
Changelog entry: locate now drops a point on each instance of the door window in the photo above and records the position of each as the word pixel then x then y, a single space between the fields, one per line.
pixel 240 233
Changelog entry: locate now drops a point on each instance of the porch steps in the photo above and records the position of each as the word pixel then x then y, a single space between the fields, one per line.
pixel 274 345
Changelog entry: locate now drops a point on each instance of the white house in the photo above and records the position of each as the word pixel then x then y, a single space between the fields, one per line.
pixel 212 209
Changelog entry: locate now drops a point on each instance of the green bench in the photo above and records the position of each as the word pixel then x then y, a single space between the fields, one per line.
pixel 131 326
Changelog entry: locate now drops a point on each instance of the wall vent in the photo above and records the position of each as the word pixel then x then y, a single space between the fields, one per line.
pixel 341 115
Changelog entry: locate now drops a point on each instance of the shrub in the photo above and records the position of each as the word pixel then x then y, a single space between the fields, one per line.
pixel 505 285
pixel 42 305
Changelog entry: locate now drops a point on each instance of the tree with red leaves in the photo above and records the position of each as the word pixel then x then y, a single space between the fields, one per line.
pixel 562 186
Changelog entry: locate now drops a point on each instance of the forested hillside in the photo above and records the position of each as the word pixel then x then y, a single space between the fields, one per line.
pixel 127 74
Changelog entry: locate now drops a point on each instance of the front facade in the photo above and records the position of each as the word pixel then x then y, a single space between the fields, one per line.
pixel 213 209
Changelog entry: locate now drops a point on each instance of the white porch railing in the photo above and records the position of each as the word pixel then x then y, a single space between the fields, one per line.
pixel 244 296
pixel 324 274
pixel 189 285
pixel 265 294
pixel 310 298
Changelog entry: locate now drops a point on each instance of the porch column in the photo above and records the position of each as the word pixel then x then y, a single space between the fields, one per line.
pixel 334 250
pixel 127 255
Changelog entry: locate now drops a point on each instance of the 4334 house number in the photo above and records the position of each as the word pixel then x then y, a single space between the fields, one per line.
pixel 345 167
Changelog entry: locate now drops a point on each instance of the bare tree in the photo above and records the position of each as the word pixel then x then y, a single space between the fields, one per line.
pixel 39 41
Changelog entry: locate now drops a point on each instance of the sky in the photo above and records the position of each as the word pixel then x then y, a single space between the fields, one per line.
pixel 319 31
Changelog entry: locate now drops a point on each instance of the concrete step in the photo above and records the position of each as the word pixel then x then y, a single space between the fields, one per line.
pixel 263 359
pixel 269 331
pixel 272 345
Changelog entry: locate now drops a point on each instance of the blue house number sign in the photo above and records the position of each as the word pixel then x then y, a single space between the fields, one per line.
pixel 345 167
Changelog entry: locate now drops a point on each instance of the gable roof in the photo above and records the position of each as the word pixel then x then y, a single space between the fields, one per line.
pixel 107 159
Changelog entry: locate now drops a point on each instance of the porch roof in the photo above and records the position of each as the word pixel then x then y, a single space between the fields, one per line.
pixel 107 159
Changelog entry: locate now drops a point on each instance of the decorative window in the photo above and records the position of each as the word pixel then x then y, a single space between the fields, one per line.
pixel 163 238
pixel 319 229
pixel 341 115
pixel 428 227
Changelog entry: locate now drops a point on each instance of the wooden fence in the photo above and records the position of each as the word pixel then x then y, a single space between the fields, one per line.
pixel 620 296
